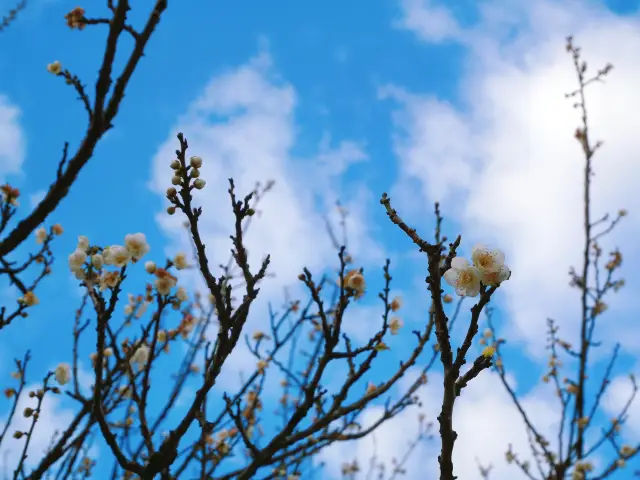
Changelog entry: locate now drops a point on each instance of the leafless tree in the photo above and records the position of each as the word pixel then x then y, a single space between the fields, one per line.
pixel 192 335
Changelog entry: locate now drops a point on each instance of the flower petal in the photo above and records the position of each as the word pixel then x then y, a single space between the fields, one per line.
pixel 504 273
pixel 451 276
pixel 478 246
pixel 498 256
pixel 459 263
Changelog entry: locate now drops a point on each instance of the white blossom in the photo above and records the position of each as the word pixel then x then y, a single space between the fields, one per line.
pixel 63 373
pixel 116 255
pixel 137 245
pixel 182 294
pixel 490 264
pixel 83 243
pixel 77 259
pixel 140 357
pixel 463 277
pixel 80 274
pixel 180 261
pixel 496 278
pixel 487 260
pixel 97 261
pixel 41 235
pixel 54 67
pixel 165 283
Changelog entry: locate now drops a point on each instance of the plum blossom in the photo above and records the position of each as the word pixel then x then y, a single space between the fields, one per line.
pixel 463 277
pixel 137 245
pixel 490 264
pixel 108 280
pixel 395 325
pixel 140 357
pixel 354 279
pixel 63 373
pixel 485 259
pixel 494 279
pixel 83 243
pixel 116 255
pixel 54 68
pixel 97 261
pixel 180 261
pixel 41 235
pixel 181 294
pixel 29 299
pixel 77 259
pixel 164 281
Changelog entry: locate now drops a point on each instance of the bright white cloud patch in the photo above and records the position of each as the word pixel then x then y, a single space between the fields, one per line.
pixel 431 22
pixel 484 412
pixel 505 163
pixel 12 141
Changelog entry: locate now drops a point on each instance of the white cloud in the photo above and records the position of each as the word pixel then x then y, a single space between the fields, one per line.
pixel 12 141
pixel 243 127
pixel 362 322
pixel 431 22
pixel 504 161
pixel 484 411
pixel 390 440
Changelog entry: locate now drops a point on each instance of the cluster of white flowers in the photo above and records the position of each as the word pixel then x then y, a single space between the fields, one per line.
pixel 488 268
pixel 118 256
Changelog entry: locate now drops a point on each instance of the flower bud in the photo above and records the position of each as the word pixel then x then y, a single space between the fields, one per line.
pixel 199 183
pixel 97 261
pixel 175 164
pixel 196 162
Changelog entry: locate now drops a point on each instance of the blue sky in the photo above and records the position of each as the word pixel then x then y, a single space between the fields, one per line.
pixel 345 100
